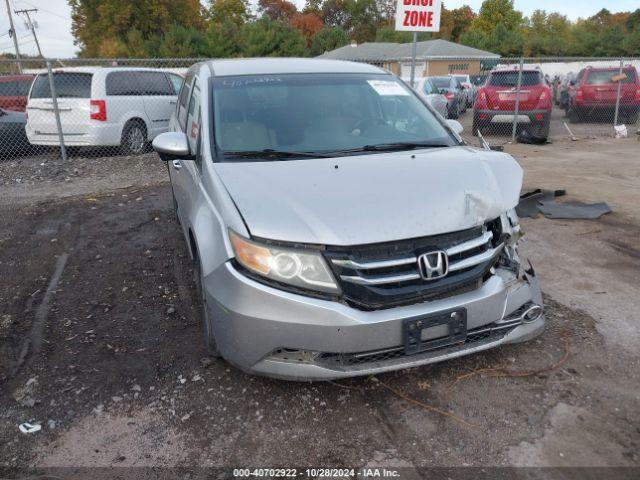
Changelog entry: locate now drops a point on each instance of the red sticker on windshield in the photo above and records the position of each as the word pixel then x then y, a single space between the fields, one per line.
pixel 194 129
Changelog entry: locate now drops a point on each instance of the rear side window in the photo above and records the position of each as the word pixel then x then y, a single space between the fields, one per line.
pixel 68 85
pixel 120 84
pixel 600 77
pixel 176 81
pixel 510 79
pixel 155 84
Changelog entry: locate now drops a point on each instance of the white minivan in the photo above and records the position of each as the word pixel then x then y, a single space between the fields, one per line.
pixel 111 106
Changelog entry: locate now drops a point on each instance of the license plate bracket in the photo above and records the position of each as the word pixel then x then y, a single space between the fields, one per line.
pixel 455 321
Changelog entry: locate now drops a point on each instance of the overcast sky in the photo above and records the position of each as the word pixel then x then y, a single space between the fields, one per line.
pixel 54 20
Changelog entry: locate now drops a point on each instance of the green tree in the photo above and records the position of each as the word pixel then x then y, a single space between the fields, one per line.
pixel 495 12
pixel 390 34
pixel 268 38
pixel 182 42
pixel 235 11
pixel 223 39
pixel 327 39
pixel 100 27
pixel 504 41
pixel 365 20
pixel 462 18
pixel 336 13
pixel 475 39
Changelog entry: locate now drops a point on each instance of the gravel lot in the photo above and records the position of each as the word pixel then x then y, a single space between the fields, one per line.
pixel 100 340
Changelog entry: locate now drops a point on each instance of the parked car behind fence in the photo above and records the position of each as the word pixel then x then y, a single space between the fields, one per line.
pixel 13 140
pixel 594 95
pixel 125 107
pixel 428 91
pixel 454 92
pixel 496 103
pixel 14 90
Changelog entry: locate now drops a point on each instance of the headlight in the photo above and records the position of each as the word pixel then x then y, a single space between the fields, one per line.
pixel 511 225
pixel 298 268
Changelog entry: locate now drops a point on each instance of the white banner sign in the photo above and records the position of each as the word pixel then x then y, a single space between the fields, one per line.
pixel 418 15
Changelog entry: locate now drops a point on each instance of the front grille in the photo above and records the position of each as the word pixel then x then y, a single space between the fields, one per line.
pixel 387 275
pixel 485 334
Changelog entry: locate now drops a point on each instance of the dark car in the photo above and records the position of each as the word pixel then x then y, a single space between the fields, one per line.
pixel 454 92
pixel 496 102
pixel 14 90
pixel 12 134
pixel 595 90
pixel 564 91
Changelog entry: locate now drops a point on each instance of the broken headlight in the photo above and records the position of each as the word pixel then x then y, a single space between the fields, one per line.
pixel 511 234
pixel 299 268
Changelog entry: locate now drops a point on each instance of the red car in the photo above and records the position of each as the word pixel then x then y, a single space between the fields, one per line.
pixel 496 102
pixel 14 90
pixel 594 91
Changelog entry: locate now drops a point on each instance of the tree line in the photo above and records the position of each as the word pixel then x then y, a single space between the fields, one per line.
pixel 229 28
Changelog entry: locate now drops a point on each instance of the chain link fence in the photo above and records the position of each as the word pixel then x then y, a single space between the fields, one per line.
pixel 115 107
pixel 521 98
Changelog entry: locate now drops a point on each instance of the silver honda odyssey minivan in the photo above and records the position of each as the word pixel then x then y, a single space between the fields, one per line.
pixel 337 226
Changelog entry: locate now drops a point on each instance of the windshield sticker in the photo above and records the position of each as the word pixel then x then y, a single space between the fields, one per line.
pixel 385 87
pixel 243 82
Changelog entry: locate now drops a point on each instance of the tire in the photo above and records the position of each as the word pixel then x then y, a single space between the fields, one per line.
pixel 134 138
pixel 456 113
pixel 632 118
pixel 542 130
pixel 207 328
pixel 573 115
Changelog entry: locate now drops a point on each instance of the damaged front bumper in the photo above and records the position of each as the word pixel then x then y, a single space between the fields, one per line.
pixel 267 331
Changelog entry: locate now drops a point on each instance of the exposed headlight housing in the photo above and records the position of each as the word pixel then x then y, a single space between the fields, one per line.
pixel 512 234
pixel 298 268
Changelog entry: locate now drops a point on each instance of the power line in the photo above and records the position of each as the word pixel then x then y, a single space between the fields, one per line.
pixel 45 10
pixel 31 25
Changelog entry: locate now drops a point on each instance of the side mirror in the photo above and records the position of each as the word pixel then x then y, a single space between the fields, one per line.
pixel 172 146
pixel 456 126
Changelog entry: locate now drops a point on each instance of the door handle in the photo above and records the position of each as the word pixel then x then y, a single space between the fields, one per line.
pixel 177 165
pixel 173 102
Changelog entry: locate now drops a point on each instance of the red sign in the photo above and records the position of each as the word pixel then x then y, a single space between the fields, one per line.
pixel 418 15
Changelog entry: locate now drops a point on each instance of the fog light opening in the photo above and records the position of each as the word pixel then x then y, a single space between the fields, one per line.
pixel 532 314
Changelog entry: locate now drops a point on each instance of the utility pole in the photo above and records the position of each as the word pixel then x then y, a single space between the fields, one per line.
pixel 12 33
pixel 31 26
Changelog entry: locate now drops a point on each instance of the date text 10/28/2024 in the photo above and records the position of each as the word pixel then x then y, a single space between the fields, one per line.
pixel 316 473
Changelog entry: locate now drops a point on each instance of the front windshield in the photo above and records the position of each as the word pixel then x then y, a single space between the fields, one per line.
pixel 319 113
pixel 461 78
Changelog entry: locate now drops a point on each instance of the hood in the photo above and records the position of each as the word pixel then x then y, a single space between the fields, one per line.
pixel 373 198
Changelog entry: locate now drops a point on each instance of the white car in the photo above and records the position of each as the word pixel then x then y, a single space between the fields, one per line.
pixel 111 106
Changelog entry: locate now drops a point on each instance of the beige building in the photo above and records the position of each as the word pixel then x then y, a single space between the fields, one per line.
pixel 433 57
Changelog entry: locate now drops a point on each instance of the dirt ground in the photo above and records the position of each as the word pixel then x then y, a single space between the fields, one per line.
pixel 100 340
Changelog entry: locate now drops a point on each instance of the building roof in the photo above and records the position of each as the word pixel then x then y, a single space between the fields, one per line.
pixel 269 66
pixel 429 50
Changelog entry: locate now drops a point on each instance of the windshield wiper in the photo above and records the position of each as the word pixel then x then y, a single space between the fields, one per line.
pixel 269 153
pixel 386 147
